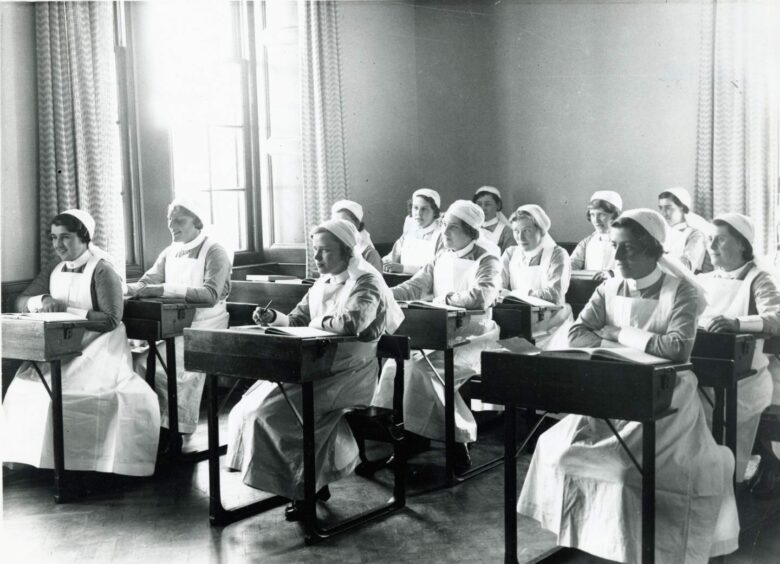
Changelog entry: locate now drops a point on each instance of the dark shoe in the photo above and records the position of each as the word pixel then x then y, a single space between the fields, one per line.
pixel 462 460
pixel 294 511
pixel 763 484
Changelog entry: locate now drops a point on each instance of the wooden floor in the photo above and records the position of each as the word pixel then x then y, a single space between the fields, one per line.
pixel 165 519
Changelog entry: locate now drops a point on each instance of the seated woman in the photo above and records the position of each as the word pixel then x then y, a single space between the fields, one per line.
pixel 110 416
pixel 496 228
pixel 741 298
pixel 196 268
pixel 595 252
pixel 353 212
pixel 581 484
pixel 264 437
pixel 537 266
pixel 418 246
pixel 689 231
pixel 464 275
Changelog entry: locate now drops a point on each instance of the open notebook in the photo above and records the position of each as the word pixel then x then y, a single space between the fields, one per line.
pixel 420 304
pixel 625 354
pixel 287 331
pixel 270 277
pixel 527 300
pixel 46 316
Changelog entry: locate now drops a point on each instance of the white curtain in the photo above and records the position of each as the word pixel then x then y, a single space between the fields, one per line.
pixel 737 158
pixel 322 129
pixel 77 133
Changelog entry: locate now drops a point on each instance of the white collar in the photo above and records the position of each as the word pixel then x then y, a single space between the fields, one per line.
pixel 79 262
pixel 599 236
pixel 528 255
pixel 646 281
pixel 464 251
pixel 192 244
pixel 733 274
pixel 426 230
pixel 339 278
pixel 491 222
pixel 681 226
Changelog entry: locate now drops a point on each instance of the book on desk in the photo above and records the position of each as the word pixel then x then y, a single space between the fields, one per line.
pixel 622 354
pixel 422 304
pixel 513 298
pixel 300 332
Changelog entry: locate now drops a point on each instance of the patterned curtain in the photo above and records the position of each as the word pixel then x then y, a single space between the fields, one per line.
pixel 77 132
pixel 322 131
pixel 737 168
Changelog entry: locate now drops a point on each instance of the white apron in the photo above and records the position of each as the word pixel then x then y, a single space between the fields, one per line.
pixel 423 389
pixel 599 255
pixel 582 485
pixel 731 298
pixel 553 332
pixel 495 235
pixel 110 416
pixel 265 441
pixel 416 253
pixel 189 385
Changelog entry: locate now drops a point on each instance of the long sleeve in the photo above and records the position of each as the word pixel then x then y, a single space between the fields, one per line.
pixel 155 275
pixel 506 259
pixel 106 289
pixel 395 253
pixel 695 249
pixel 578 256
pixel 764 310
pixel 482 291
pixel 300 316
pixel 418 287
pixel 216 278
pixel 38 287
pixel 371 256
pixel 362 314
pixel 557 278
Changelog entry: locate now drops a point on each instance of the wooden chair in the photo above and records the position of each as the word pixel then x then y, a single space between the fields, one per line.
pixel 383 424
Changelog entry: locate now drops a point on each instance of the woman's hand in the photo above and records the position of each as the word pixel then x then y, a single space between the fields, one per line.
pixel 150 291
pixel 722 324
pixel 608 333
pixel 393 267
pixel 263 316
pixel 49 304
pixel 601 276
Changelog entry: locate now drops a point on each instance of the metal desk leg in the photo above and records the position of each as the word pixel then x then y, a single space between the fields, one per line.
pixel 510 486
pixel 218 515
pixel 309 471
pixel 174 446
pixel 717 416
pixel 449 415
pixel 731 422
pixel 648 492
pixel 151 364
pixel 58 433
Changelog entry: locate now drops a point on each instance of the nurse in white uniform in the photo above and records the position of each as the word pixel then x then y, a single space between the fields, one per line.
pixel 595 252
pixel 353 212
pixel 496 228
pixel 741 298
pixel 467 275
pixel 581 484
pixel 197 268
pixel 688 236
pixel 264 438
pixel 110 416
pixel 538 267
pixel 417 246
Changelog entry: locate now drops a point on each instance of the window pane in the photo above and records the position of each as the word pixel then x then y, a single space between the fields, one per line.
pixel 280 14
pixel 283 92
pixel 230 219
pixel 190 157
pixel 227 158
pixel 287 198
pixel 225 101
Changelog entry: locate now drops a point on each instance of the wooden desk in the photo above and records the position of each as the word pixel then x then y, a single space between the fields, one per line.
pixel 720 361
pixel 285 296
pixel 46 341
pixel 252 355
pixel 161 319
pixel 396 278
pixel 518 320
pixel 562 383
pixel 437 329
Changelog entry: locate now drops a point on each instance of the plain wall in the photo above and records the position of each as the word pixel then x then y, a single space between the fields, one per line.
pixel 379 86
pixel 19 143
pixel 595 96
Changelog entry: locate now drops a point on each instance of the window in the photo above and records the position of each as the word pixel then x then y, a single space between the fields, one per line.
pixel 220 80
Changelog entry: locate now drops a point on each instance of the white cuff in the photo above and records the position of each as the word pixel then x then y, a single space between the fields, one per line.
pixel 634 338
pixel 751 323
pixel 174 290
pixel 281 320
pixel 410 268
pixel 35 304
pixel 316 323
pixel 82 313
